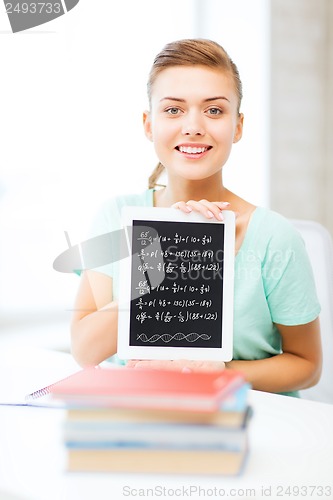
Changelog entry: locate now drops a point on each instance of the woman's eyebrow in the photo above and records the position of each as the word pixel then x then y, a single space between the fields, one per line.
pixel 172 99
pixel 209 99
pixel 216 98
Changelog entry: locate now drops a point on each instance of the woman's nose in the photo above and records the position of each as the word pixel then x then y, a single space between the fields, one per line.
pixel 193 125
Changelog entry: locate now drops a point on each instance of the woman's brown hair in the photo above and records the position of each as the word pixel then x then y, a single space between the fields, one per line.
pixel 188 52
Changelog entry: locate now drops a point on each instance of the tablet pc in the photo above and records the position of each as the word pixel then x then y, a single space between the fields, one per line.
pixel 176 286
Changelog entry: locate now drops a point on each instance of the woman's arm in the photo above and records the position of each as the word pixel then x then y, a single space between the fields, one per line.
pixel 297 367
pixel 94 321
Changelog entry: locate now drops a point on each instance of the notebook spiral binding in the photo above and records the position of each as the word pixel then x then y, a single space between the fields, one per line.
pixel 44 391
pixel 37 394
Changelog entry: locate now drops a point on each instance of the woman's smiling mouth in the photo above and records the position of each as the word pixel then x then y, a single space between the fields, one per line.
pixel 193 151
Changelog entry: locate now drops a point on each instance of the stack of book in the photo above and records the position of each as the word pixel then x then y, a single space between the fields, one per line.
pixel 155 421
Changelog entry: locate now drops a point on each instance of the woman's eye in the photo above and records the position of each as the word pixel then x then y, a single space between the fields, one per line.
pixel 172 111
pixel 215 111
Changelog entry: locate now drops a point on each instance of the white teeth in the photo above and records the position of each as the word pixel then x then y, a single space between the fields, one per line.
pixel 190 150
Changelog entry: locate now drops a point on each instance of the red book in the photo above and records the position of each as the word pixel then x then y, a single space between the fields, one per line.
pixel 144 388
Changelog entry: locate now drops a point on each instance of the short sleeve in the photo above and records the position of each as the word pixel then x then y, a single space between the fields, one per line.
pixel 105 230
pixel 106 235
pixel 288 279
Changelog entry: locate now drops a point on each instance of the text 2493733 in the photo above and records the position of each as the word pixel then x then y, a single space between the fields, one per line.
pixel 33 8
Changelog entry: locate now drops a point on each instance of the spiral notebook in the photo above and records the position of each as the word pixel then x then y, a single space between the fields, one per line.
pixel 40 397
pixel 138 388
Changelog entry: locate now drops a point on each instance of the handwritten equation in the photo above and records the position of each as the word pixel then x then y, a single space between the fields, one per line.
pixel 186 308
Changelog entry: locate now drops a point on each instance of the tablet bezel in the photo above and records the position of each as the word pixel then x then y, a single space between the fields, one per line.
pixel 126 351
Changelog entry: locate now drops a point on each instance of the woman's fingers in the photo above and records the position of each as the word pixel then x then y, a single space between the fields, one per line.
pixel 208 209
pixel 181 205
pixel 222 205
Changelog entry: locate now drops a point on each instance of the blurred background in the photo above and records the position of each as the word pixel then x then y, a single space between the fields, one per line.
pixel 72 95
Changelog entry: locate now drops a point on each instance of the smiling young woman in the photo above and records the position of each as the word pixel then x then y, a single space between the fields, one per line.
pixel 193 120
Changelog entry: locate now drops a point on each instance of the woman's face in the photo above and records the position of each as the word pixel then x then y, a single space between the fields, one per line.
pixel 193 120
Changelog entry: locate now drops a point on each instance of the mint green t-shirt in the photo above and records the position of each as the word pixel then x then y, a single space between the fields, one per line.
pixel 273 277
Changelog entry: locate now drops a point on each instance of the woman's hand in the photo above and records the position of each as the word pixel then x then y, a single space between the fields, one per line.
pixel 183 365
pixel 208 209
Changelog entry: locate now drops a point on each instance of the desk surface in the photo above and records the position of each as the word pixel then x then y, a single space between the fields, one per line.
pixel 291 446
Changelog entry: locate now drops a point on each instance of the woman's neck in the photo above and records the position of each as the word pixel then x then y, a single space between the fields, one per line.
pixel 209 189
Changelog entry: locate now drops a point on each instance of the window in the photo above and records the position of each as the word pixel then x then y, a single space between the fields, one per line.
pixel 71 125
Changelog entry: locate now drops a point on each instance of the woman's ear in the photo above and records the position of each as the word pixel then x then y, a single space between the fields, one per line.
pixel 239 128
pixel 147 125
